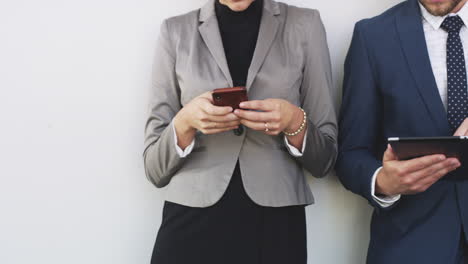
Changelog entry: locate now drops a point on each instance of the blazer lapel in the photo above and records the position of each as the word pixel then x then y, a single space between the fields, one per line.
pixel 268 28
pixel 209 30
pixel 411 32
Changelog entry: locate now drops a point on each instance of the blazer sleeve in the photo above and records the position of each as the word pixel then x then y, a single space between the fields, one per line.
pixel 320 151
pixel 161 160
pixel 360 132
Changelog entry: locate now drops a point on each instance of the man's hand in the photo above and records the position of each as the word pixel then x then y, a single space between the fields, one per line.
pixel 411 176
pixel 463 129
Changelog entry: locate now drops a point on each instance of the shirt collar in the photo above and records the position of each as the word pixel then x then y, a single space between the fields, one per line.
pixel 436 21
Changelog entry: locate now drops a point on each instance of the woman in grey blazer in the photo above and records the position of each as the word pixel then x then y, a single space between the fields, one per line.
pixel 234 181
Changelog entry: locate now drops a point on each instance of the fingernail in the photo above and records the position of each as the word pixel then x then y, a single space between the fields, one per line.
pixel 242 104
pixel 236 111
pixel 441 158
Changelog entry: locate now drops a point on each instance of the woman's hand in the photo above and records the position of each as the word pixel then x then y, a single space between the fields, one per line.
pixel 272 116
pixel 200 114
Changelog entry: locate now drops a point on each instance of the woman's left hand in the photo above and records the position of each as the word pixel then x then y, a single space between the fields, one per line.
pixel 272 116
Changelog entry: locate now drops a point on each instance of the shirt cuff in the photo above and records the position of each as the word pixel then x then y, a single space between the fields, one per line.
pixel 182 153
pixel 293 150
pixel 384 201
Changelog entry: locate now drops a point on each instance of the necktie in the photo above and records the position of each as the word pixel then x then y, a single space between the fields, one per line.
pixel 457 90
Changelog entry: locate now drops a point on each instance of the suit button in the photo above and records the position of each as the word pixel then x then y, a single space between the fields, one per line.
pixel 238 132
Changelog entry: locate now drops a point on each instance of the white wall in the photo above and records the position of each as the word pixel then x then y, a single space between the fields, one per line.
pixel 74 76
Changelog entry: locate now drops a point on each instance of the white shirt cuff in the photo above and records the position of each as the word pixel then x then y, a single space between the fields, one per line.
pixel 182 153
pixel 293 150
pixel 384 201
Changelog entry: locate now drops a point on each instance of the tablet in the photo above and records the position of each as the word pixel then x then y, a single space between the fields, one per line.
pixel 414 147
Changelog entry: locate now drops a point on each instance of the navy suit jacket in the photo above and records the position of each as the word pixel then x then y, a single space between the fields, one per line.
pixel 390 91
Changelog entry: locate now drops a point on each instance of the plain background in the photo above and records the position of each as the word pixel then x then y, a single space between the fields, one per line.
pixel 74 79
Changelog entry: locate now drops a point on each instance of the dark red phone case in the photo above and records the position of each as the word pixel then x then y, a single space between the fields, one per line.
pixel 230 96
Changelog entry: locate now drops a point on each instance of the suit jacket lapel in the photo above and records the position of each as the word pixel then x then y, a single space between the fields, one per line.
pixel 268 28
pixel 209 30
pixel 411 32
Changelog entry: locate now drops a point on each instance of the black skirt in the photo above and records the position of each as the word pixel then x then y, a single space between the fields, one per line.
pixel 233 231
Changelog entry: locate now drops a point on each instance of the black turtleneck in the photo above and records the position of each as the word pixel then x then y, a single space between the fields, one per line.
pixel 239 32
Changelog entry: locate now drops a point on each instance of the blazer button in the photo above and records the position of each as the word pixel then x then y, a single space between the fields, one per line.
pixel 238 131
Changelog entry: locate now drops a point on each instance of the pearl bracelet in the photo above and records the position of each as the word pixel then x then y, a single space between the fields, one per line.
pixel 303 125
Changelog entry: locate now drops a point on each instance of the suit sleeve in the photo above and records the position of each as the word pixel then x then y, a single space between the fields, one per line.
pixel 360 132
pixel 320 148
pixel 161 160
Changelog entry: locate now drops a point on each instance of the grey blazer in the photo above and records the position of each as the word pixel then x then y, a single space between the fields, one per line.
pixel 291 61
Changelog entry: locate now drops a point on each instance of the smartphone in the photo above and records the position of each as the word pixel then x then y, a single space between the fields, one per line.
pixel 232 96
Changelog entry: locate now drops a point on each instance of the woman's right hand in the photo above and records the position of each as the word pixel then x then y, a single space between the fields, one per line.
pixel 200 114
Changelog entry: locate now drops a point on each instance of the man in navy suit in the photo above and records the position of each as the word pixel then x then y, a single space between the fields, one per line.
pixel 405 76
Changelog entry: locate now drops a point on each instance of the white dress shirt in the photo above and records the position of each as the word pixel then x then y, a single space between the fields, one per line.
pixel 436 40
pixel 184 153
